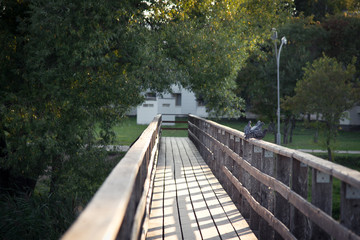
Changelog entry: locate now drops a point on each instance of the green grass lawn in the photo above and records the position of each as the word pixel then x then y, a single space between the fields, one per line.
pixel 303 137
pixel 128 131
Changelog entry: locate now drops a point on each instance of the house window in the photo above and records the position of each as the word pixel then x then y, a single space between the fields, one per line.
pixel 166 104
pixel 177 97
pixel 150 96
pixel 148 105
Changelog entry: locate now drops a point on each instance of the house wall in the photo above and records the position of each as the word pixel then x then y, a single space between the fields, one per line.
pixel 166 106
pixel 188 102
pixel 146 112
pixel 354 115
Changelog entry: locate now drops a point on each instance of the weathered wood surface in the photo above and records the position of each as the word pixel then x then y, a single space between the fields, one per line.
pixel 281 177
pixel 118 209
pixel 188 201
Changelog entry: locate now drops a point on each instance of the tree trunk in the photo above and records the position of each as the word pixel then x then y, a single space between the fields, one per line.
pixel 55 172
pixel 316 135
pixel 286 130
pixel 293 122
pixel 330 156
pixel 328 140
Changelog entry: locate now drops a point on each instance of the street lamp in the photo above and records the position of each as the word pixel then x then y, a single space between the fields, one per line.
pixel 277 55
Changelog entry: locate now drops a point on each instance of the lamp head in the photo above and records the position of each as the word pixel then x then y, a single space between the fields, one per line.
pixel 274 35
pixel 284 40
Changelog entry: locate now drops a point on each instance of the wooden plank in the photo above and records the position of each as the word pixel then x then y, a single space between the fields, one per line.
pixel 172 228
pixel 204 208
pixel 105 213
pixel 207 227
pixel 344 174
pixel 155 227
pixel 317 215
pixel 262 211
pixel 188 220
pixel 310 211
pixel 142 214
pixel 220 219
pixel 230 223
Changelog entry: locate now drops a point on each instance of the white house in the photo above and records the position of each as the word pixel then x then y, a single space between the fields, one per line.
pixel 353 118
pixel 181 101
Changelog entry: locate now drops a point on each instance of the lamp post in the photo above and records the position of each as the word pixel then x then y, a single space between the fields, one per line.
pixel 277 55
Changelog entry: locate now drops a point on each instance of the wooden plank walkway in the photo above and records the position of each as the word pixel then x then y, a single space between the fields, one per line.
pixel 188 201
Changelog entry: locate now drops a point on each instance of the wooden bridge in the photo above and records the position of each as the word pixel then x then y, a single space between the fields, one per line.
pixel 216 184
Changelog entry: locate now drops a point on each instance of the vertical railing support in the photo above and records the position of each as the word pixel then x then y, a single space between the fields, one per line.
pixel 282 206
pixel 255 187
pixel 275 181
pixel 321 196
pixel 267 194
pixel 245 206
pixel 350 207
pixel 299 224
pixel 236 196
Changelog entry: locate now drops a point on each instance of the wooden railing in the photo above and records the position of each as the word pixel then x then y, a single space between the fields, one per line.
pixel 120 207
pixel 283 193
pixel 176 121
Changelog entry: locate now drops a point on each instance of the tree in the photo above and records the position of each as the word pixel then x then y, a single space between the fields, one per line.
pixel 326 89
pixel 257 79
pixel 70 66
pixel 66 70
pixel 208 42
pixel 340 41
pixel 319 9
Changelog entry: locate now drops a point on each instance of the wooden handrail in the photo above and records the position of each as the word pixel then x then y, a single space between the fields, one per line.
pixel 119 207
pixel 276 178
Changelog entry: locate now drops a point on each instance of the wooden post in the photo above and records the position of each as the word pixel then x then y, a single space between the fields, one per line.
pixel 299 224
pixel 217 169
pixel 245 206
pixel 222 155
pixel 236 197
pixel 255 188
pixel 321 197
pixel 229 163
pixel 212 148
pixel 267 194
pixel 350 207
pixel 282 207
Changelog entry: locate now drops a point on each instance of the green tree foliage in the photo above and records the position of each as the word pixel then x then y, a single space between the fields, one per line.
pixel 257 80
pixel 320 8
pixel 67 70
pixel 68 67
pixel 326 89
pixel 341 40
pixel 209 41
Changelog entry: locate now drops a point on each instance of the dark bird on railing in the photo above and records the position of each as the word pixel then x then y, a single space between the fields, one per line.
pixel 260 134
pixel 247 129
pixel 258 125
pixel 256 131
